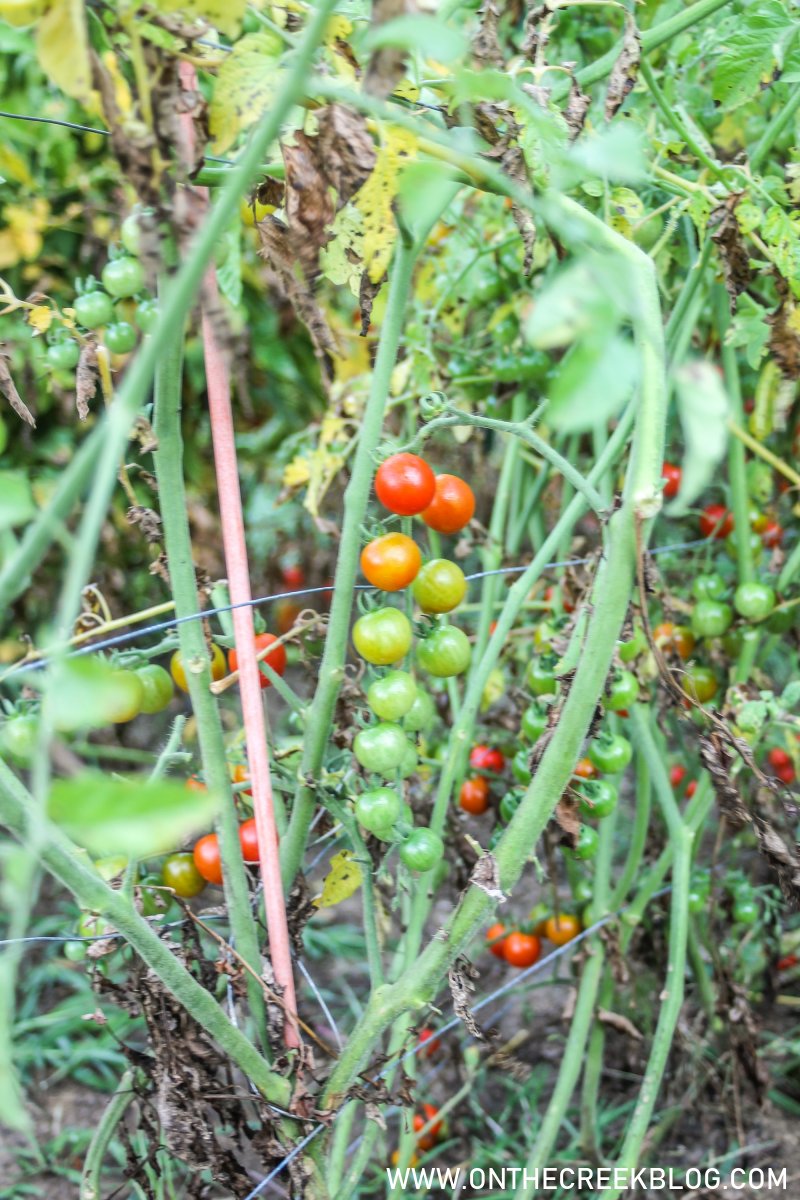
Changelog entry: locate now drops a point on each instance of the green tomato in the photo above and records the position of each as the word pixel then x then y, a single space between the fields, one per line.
pixel 610 753
pixel 582 890
pixel 410 762
pixel 92 925
pixel 700 684
pixel 156 686
pixel 540 676
pixel 440 586
pixel 130 234
pixel 381 748
pixel 746 912
pixel 598 798
pixel 120 337
pixel 534 721
pixel 421 850
pixel 123 277
pixel 126 699
pixel 782 620
pixel 756 545
pixel 180 873
pixel 754 601
pixel 510 803
pixel 392 696
pixel 93 309
pixel 152 901
pixel 382 636
pixel 709 587
pixel 635 646
pixel 18 738
pixel 147 315
pixel 519 766
pixel 586 846
pixel 622 691
pixel 75 951
pixel 378 809
pixel 422 713
pixel 760 481
pixel 711 618
pixel 698 899
pixel 445 652
pixel 64 355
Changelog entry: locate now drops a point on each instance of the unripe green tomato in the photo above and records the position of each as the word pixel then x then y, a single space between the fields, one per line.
pixel 711 618
pixel 93 309
pixel 392 696
pixel 93 925
pixel 120 337
pixel 582 890
pixel 698 900
pixel 383 636
pixel 746 912
pixel 540 676
pixel 381 748
pixel 648 233
pixel 126 700
pixel 152 901
pixel 534 722
pixel 410 762
pixel 75 951
pixel 782 620
pixel 622 691
pixel 700 684
pixel 421 850
pixel 760 481
pixel 598 798
pixel 635 646
pixel 586 846
pixel 64 355
pixel 156 686
pixel 440 586
pixel 18 738
pixel 378 809
pixel 445 652
pixel 754 601
pixel 422 713
pixel 147 315
pixel 519 766
pixel 610 753
pixel 130 234
pixel 123 277
pixel 709 587
pixel 509 804
pixel 756 545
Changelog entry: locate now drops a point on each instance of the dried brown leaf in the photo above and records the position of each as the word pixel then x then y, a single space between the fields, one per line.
pixel 618 1021
pixel 308 203
pixel 386 66
pixel 486 44
pixel 461 977
pixel 578 106
pixel 9 390
pixel 566 815
pixel 86 379
pixel 784 338
pixel 537 30
pixel 727 236
pixel 486 876
pixel 625 69
pixel 345 149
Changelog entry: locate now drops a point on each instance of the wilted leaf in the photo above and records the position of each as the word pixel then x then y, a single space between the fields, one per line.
pixel 224 15
pixel 343 879
pixel 386 65
pixel 102 812
pixel 485 43
pixel 86 378
pixel 309 207
pixel 40 317
pixel 8 389
pixel 703 409
pixel 374 200
pixel 62 46
pixel 625 69
pixel 16 499
pixel 246 83
pixel 594 380
pixel 345 149
pixel 578 106
pixel 727 236
pixel 784 337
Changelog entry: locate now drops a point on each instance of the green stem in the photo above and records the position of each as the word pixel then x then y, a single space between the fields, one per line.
pixel 737 472
pixel 705 987
pixel 779 123
pixel 641 822
pixel 113 1113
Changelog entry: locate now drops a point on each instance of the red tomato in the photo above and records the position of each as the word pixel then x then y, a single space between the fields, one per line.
pixel 293 576
pixel 787 962
pixel 429 1139
pixel 487 758
pixel 716 521
pixel 276 658
pixel 671 474
pixel 786 774
pixel 677 774
pixel 285 613
pixel 778 757
pixel 405 484
pixel 248 840
pixel 585 769
pixel 474 795
pixel 452 507
pixel 772 534
pixel 431 1044
pixel 691 788
pixel 495 937
pixel 193 784
pixel 521 949
pixel 207 858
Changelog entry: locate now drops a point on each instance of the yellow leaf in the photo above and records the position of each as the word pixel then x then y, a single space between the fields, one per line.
pixel 22 238
pixel 62 45
pixel 374 200
pixel 332 427
pixel 22 12
pixel 296 473
pixel 224 15
pixel 122 93
pixel 495 688
pixel 246 83
pixel 13 165
pixel 406 90
pixel 338 29
pixel 40 317
pixel 343 879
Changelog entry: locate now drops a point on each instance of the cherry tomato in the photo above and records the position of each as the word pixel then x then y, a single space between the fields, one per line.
pixel 582 890
pixel 93 309
pixel 382 636
pixel 540 676
pixel 452 506
pixel 293 576
pixel 700 684
pixel 691 788
pixel 474 795
pixel 120 337
pixel 445 652
pixel 772 534
pixel 534 722
pixel 521 949
pixel 756 546
pixel 495 939
pixel 431 1044
pixel 509 804
pixel 176 667
pixel 392 696
pixel 130 234
pixel 778 757
pixel 421 850
pixel 429 1139
pixel 123 277
pixel 391 562
pixel 180 873
pixel 422 713
pixel 635 645
pixel 711 618
pixel 405 484
pixel 440 586
pixel 610 753
pixel 248 840
pixel 786 774
pixel 18 738
pixel 622 691
pixel 562 928
pixel 709 587
pixel 716 521
pixel 157 690
pixel 586 845
pixel 677 774
pixel 276 658
pixel 585 769
pixel 381 748
pixel 378 809
pixel 754 601
pixel 126 699
pixel 487 758
pixel 64 354
pixel 520 766
pixel 787 962
pixel 671 474
pixel 598 799
pixel 240 774
pixel 147 315
pixel 207 858
pixel 678 638
pixel 746 911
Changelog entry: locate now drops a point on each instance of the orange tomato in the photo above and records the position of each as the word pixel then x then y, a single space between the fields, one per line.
pixel 562 929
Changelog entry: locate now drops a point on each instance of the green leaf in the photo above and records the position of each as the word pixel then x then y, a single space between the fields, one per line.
pixel 589 296
pixel 229 269
pixel 141 818
pixel 82 692
pixel 224 15
pixel 749 329
pixel 616 153
pixel 16 499
pixel 423 191
pixel 428 35
pixel 757 45
pixel 246 83
pixel 62 45
pixel 594 380
pixel 790 697
pixel 703 410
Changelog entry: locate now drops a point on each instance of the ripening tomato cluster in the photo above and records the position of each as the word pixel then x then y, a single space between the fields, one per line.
pixel 111 310
pixel 522 947
pixel 384 636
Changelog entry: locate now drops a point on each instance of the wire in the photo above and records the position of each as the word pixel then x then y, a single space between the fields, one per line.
pixel 162 626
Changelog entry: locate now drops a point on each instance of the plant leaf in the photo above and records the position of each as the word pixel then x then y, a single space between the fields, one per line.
pixel 755 46
pixel 594 379
pixel 62 45
pixel 703 410
pixel 343 879
pixel 246 83
pixel 224 15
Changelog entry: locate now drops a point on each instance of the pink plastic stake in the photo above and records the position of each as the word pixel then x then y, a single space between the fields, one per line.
pixel 233 535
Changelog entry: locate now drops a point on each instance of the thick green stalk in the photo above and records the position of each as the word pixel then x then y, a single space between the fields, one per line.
pixel 641 822
pixel 112 1115
pixel 737 472
pixel 194 654
pixel 67 863
pixel 779 123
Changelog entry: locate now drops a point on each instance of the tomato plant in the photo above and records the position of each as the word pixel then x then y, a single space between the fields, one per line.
pixel 405 484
